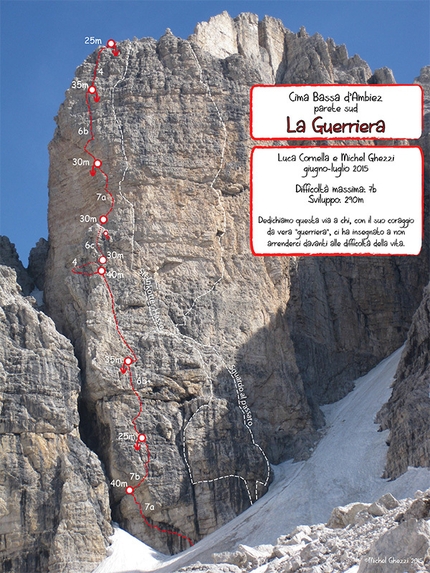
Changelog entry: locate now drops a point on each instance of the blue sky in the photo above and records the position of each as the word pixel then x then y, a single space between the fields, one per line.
pixel 42 43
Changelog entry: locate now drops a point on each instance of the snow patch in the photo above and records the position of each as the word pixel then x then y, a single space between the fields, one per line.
pixel 38 295
pixel 345 467
pixel 129 555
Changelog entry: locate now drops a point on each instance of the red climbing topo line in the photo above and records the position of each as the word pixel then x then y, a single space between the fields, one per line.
pixel 74 271
pixel 148 457
pixel 145 519
pixel 108 192
pixel 101 271
pixel 120 334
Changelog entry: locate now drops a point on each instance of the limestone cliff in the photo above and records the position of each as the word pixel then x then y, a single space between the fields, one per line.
pixel 234 353
pixel 9 257
pixel 54 511
pixel 407 414
pixel 277 54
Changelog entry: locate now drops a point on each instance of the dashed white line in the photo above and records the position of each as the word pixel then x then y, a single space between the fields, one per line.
pixel 188 340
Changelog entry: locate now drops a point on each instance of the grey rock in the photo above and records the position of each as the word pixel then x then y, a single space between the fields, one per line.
pixel 344 515
pixel 403 549
pixel 203 278
pixel 284 551
pixel 362 517
pixel 382 76
pixel 327 365
pixel 285 565
pixel 388 501
pixel 376 510
pixel 280 55
pixel 375 543
pixel 424 80
pixel 9 257
pixel 298 538
pixel 407 413
pixel 54 507
pixel 245 557
pixel 293 565
pixel 336 314
pixel 172 130
pixel 302 529
pixel 234 557
pixel 37 263
pixel 210 568
pixel 420 508
pixel 311 552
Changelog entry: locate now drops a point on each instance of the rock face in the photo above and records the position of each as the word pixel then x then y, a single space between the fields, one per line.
pixel 279 55
pixel 37 263
pixel 9 257
pixel 54 511
pixel 234 352
pixel 407 414
pixel 341 321
pixel 424 80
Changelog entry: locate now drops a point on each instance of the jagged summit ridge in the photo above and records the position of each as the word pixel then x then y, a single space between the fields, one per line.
pixel 280 55
pixel 172 130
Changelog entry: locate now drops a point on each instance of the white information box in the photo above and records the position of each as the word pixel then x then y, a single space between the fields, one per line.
pixel 328 111
pixel 337 200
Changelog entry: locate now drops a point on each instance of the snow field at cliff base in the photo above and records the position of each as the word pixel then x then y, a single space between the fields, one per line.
pixel 345 467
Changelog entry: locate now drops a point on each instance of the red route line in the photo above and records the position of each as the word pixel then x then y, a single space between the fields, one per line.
pixel 97 241
pixel 83 273
pixel 145 519
pixel 120 334
pixel 100 271
pixel 101 50
pixel 108 192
